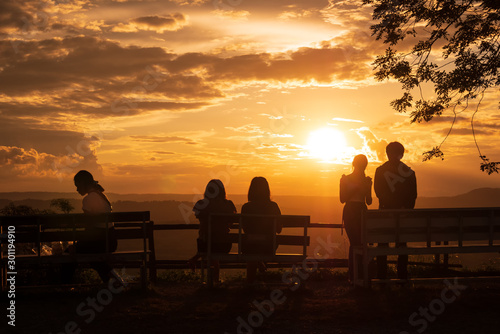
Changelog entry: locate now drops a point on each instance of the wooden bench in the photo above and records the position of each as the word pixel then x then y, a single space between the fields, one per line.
pixel 40 229
pixel 426 231
pixel 286 221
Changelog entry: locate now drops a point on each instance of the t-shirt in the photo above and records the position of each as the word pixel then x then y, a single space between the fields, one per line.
pixel 395 185
pixel 260 225
pixel 95 203
pixel 220 227
pixel 355 189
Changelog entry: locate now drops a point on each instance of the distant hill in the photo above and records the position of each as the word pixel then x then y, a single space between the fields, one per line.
pixel 16 196
pixel 482 197
pixel 177 207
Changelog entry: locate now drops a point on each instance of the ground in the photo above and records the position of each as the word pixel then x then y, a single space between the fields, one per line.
pixel 324 305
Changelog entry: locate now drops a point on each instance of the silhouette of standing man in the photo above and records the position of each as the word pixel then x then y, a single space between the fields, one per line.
pixel 396 188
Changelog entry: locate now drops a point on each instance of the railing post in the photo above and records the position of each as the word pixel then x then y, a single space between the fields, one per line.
pixel 209 253
pixel 491 230
pixel 74 230
pixel 152 253
pixel 364 257
pixel 240 229
pixel 274 236
pixel 304 250
pixel 106 220
pixel 39 236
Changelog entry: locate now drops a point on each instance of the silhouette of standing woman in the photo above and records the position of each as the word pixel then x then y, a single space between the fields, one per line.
pixel 355 192
pixel 94 237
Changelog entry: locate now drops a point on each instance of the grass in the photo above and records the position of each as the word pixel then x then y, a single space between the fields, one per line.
pixel 178 303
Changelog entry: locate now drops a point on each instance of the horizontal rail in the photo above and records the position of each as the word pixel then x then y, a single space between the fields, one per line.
pixel 183 264
pixel 178 226
pixel 78 219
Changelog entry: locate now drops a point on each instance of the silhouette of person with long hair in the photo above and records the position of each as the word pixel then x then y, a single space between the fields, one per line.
pixel 94 237
pixel 214 201
pixel 356 193
pixel 396 188
pixel 259 231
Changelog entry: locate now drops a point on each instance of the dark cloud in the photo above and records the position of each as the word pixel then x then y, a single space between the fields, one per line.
pixel 468 131
pixel 96 77
pixel 44 138
pixel 52 64
pixel 14 14
pixel 164 139
pixel 306 64
pixel 163 152
pixel 93 76
pixel 159 23
pixel 266 8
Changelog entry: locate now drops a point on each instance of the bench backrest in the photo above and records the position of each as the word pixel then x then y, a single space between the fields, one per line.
pixel 69 227
pixel 432 225
pixel 286 221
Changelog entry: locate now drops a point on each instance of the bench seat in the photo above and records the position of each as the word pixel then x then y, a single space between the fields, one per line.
pixel 426 231
pixel 235 257
pixel 286 221
pixel 39 229
pixel 28 260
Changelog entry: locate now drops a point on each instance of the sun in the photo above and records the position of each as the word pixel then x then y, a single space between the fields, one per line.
pixel 326 144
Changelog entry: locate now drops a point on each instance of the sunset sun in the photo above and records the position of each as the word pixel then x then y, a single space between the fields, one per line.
pixel 326 144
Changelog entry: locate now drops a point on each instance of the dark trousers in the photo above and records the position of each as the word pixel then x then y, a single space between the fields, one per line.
pixel 402 266
pixel 351 216
pixel 93 241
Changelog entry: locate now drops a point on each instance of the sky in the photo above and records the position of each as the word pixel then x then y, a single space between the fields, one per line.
pixel 162 96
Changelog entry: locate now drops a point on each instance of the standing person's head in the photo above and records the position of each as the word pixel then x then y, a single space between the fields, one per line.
pixel 360 162
pixel 259 190
pixel 215 189
pixel 395 151
pixel 84 182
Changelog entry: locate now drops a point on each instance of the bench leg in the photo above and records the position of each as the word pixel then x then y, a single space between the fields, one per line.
pixel 144 276
pixel 202 269
pixel 210 280
pixel 366 275
pixel 152 271
pixel 355 265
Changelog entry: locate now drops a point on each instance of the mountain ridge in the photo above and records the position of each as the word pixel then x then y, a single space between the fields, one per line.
pixel 46 195
pixel 168 208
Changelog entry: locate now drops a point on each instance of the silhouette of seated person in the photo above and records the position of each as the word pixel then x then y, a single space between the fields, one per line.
pixel 259 231
pixel 94 237
pixel 214 201
pixel 396 188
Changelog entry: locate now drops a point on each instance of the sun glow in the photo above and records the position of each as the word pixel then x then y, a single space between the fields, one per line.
pixel 326 144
